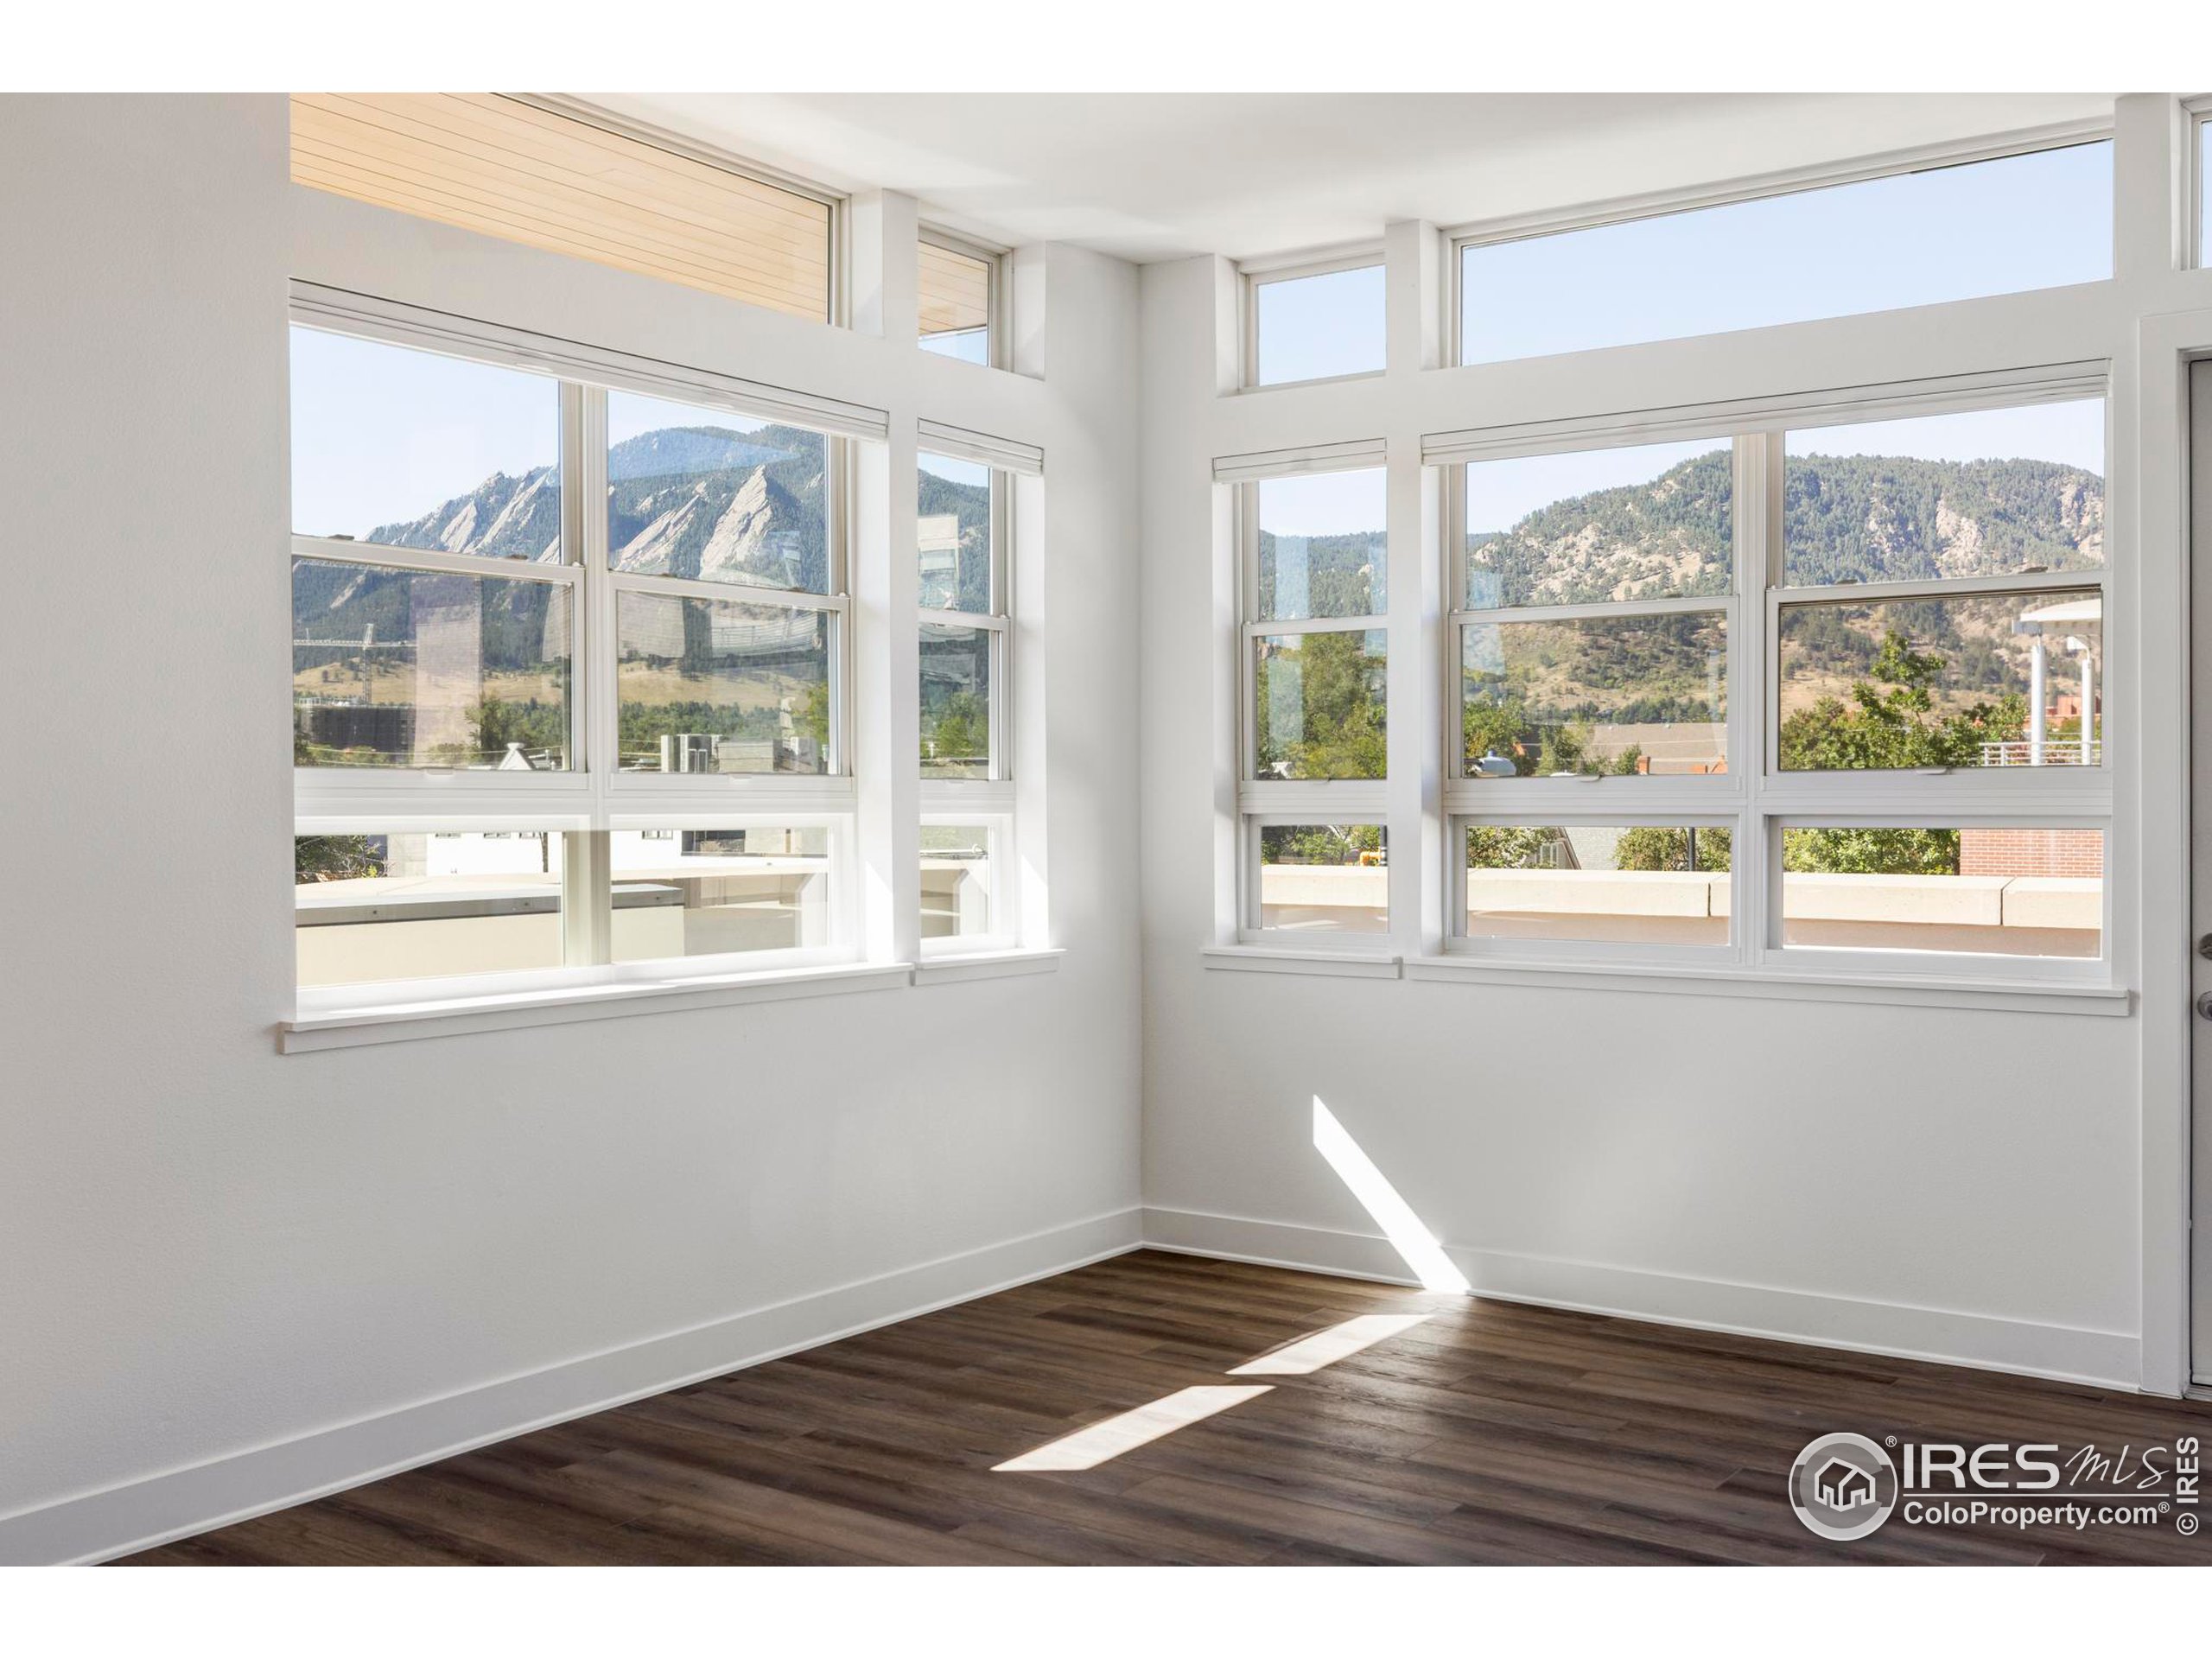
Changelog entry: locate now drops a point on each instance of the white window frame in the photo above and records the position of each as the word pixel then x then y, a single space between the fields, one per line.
pixel 999 296
pixel 1755 793
pixel 1669 204
pixel 1253 275
pixel 593 797
pixel 1270 801
pixel 2197 116
pixel 988 801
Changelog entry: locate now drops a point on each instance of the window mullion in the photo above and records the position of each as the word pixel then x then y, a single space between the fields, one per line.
pixel 589 898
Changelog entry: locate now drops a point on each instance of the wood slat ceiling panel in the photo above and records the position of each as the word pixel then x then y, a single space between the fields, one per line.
pixel 492 164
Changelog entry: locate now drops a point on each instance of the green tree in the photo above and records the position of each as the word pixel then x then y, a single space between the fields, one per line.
pixel 336 858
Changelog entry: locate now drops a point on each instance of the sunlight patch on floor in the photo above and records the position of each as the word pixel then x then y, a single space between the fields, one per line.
pixel 1310 1353
pixel 1100 1443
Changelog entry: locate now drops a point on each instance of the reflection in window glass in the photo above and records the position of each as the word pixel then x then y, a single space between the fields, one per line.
pixel 1649 521
pixel 1985 890
pixel 1323 549
pixel 1313 327
pixel 955 711
pixel 955 298
pixel 1984 492
pixel 1639 884
pixel 1986 680
pixel 1324 878
pixel 375 907
pixel 720 686
pixel 710 496
pixel 1960 232
pixel 407 448
pixel 953 535
pixel 956 880
pixel 1319 703
pixel 1622 696
pixel 409 668
pixel 712 892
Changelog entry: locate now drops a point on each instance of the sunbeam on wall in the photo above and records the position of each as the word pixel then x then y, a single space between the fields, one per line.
pixel 1380 1200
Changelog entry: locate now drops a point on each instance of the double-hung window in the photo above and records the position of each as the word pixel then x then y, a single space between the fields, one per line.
pixel 963 585
pixel 1313 662
pixel 1596 601
pixel 567 679
pixel 1820 698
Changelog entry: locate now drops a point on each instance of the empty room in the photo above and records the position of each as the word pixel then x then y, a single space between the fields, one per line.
pixel 1297 820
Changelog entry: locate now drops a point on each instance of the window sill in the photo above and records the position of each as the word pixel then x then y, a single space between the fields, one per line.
pixel 952 969
pixel 405 1022
pixel 1263 959
pixel 2007 996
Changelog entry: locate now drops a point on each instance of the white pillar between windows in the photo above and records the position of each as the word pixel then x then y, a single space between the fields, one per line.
pixel 886 724
pixel 2150 218
pixel 885 267
pixel 1414 310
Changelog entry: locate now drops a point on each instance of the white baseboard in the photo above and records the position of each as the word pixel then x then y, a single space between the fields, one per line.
pixel 2104 1358
pixel 139 1514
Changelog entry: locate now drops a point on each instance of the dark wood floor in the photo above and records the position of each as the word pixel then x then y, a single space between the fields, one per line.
pixel 1489 1433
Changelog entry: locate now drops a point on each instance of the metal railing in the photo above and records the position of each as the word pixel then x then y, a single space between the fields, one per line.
pixel 2056 752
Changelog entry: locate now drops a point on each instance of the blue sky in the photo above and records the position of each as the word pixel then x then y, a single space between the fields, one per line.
pixel 380 436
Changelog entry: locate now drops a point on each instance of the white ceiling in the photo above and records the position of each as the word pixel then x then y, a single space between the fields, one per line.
pixel 1159 175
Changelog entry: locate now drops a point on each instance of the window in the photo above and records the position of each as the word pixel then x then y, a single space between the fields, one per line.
pixel 961 903
pixel 1975 889
pixel 558 716
pixel 511 167
pixel 1322 878
pixel 373 906
pixel 1315 665
pixel 963 580
pixel 1939 607
pixel 1617 884
pixel 2038 220
pixel 1597 594
pixel 2200 125
pixel 959 299
pixel 1931 612
pixel 1314 325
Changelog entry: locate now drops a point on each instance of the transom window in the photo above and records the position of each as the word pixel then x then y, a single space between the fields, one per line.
pixel 1314 322
pixel 2038 220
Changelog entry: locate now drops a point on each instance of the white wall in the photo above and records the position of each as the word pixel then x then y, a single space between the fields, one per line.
pixel 234 1277
pixel 1978 1184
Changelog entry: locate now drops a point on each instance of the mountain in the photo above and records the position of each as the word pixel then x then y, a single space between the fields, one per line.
pixel 706 503
pixel 1862 518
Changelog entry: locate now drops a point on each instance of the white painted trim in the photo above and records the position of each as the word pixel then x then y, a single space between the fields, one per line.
pixel 1291 463
pixel 986 964
pixel 1681 978
pixel 1660 204
pixel 369 318
pixel 677 994
pixel 1261 959
pixel 936 438
pixel 236 1486
pixel 2102 1358
pixel 1844 405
